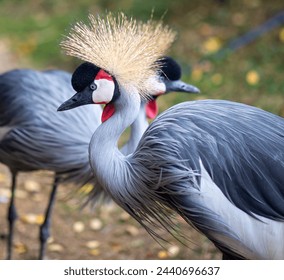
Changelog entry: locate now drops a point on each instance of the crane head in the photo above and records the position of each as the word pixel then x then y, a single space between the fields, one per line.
pixel 170 75
pixel 170 78
pixel 93 86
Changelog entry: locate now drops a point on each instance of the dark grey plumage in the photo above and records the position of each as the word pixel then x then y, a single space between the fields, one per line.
pixel 36 133
pixel 34 137
pixel 239 146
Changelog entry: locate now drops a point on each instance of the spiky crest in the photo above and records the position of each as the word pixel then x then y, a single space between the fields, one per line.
pixel 126 48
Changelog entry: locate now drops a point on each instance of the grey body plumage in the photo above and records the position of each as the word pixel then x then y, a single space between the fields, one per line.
pixel 239 145
pixel 34 137
pixel 36 133
pixel 241 148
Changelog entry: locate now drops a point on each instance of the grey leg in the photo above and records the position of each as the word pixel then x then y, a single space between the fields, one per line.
pixel 44 228
pixel 12 216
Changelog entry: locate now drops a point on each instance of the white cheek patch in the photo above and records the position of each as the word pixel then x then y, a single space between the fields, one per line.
pixel 160 88
pixel 104 92
pixel 157 87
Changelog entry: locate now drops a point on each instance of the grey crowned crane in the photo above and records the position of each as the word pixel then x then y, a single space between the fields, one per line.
pixel 219 164
pixel 34 137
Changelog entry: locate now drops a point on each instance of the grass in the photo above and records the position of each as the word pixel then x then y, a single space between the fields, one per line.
pixel 252 74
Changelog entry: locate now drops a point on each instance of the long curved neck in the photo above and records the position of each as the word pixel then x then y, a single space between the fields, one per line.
pixel 106 160
pixel 138 127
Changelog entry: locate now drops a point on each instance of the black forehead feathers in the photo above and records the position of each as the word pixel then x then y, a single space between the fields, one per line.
pixel 170 68
pixel 84 75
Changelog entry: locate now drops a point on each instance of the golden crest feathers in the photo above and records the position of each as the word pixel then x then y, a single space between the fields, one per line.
pixel 126 48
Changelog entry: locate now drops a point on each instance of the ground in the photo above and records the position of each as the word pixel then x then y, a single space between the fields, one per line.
pixel 104 233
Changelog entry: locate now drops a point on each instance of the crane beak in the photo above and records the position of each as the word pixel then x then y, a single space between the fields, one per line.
pixel 78 99
pixel 180 86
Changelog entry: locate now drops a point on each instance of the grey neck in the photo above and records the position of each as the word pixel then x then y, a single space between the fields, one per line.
pixel 138 127
pixel 108 163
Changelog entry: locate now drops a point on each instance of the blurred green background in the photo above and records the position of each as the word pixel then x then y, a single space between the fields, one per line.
pixel 32 29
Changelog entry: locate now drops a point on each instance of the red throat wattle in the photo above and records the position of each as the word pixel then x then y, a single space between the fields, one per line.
pixel 108 111
pixel 151 109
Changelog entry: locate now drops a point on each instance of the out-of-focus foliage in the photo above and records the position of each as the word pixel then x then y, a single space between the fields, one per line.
pixel 253 74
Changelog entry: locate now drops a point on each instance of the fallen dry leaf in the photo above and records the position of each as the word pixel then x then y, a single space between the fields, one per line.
pixel 50 240
pixel 163 254
pixel 252 78
pixel 93 244
pixel 20 248
pixel 32 186
pixel 96 224
pixel 32 219
pixel 132 230
pixel 116 247
pixel 124 216
pixel 40 219
pixel 55 247
pixel 86 189
pixel 173 251
pixel 78 226
pixel 95 252
pixel 211 45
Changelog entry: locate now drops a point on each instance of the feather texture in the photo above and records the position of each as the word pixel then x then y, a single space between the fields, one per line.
pixel 35 136
pixel 219 164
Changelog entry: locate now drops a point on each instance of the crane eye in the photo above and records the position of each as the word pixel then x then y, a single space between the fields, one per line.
pixel 93 86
